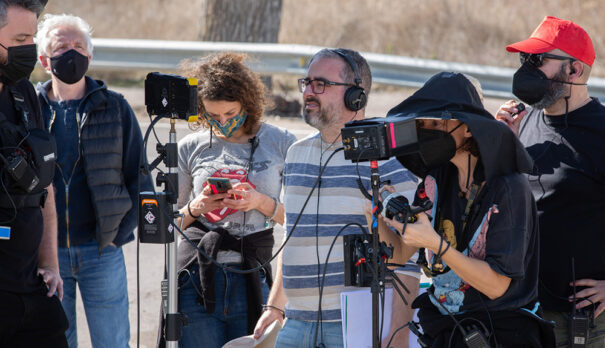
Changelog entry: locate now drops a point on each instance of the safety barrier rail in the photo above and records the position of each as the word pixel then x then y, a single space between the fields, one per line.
pixel 161 55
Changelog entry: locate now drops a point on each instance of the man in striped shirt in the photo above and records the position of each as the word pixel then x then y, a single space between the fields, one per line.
pixel 334 92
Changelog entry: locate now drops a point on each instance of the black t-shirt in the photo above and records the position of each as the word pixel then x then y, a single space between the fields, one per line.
pixel 502 231
pixel 19 254
pixel 568 183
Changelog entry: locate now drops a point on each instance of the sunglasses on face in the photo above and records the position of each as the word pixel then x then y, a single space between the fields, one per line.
pixel 537 59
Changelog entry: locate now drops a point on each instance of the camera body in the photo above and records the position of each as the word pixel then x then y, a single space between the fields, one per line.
pixel 171 96
pixel 358 253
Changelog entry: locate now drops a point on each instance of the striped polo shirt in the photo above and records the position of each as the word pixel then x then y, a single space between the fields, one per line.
pixel 336 202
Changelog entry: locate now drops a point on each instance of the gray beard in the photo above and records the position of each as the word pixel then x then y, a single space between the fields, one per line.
pixel 318 122
pixel 556 91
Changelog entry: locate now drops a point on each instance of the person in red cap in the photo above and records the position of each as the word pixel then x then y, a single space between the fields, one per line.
pixel 563 132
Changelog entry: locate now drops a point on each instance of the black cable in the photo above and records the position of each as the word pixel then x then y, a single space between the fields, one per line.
pixel 397 265
pixel 202 252
pixel 138 264
pixel 323 278
pixel 489 317
pixel 396 288
pixel 396 280
pixel 143 165
pixel 255 269
pixel 362 188
pixel 168 214
pixel 157 139
pixel 396 332
pixel 458 324
pixel 450 314
pixel 319 310
pixel 462 330
pixel 382 295
pixel 191 280
pixel 9 198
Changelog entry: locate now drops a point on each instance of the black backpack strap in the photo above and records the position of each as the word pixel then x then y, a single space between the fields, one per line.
pixel 19 102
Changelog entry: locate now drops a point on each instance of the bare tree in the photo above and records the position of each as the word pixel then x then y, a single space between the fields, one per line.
pixel 240 20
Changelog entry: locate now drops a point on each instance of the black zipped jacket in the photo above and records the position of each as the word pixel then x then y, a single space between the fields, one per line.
pixel 109 144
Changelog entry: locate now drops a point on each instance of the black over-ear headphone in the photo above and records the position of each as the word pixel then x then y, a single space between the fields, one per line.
pixel 355 96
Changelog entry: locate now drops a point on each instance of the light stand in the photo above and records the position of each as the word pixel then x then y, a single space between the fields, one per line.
pixel 173 97
pixel 174 319
pixel 377 276
pixel 158 216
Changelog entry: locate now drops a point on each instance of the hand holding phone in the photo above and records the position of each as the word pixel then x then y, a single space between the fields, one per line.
pixel 219 185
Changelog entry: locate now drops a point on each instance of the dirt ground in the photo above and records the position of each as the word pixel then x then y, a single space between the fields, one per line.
pixel 151 261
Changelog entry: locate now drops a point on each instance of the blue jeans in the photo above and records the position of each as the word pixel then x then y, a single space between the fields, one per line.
pixel 230 317
pixel 102 284
pixel 301 334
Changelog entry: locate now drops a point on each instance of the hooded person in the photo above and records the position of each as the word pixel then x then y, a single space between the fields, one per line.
pixel 480 245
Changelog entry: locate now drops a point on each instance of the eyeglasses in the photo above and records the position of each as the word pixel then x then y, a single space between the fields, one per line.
pixel 318 86
pixel 537 59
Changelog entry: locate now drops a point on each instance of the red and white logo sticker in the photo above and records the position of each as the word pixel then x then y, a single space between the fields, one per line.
pixel 150 217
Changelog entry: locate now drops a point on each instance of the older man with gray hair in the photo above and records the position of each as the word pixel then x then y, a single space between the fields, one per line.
pixel 98 144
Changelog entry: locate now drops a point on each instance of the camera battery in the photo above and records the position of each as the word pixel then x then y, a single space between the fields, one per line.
pixel 155 218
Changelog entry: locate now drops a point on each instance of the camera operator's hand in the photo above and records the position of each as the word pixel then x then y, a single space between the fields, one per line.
pixel 53 281
pixel 419 234
pixel 267 318
pixel 207 201
pixel 508 114
pixel 595 292
pixel 247 198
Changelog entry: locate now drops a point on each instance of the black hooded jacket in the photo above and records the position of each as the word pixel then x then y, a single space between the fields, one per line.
pixel 501 226
pixel 452 96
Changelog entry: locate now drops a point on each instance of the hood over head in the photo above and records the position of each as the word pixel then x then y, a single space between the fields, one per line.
pixel 450 95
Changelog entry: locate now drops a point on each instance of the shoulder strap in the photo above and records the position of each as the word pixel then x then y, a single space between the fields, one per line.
pixel 19 102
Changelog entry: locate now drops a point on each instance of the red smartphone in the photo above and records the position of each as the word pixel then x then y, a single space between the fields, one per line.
pixel 219 185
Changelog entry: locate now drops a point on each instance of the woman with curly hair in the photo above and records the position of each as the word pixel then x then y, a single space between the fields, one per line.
pixel 234 227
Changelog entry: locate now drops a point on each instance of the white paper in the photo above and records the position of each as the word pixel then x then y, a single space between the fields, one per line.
pixel 266 340
pixel 356 310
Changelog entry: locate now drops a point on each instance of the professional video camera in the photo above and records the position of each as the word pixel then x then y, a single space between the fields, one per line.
pixel 171 96
pixel 365 256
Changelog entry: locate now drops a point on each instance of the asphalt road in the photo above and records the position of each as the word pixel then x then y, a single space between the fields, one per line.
pixel 151 257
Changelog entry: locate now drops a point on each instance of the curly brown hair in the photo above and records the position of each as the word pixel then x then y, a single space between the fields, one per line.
pixel 225 77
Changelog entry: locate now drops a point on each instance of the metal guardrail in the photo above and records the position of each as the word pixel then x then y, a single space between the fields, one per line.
pixel 293 59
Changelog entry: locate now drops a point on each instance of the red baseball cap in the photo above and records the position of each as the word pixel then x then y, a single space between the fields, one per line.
pixel 558 33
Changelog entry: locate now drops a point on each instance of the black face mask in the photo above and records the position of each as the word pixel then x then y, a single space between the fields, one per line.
pixel 69 67
pixel 436 148
pixel 530 84
pixel 19 64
